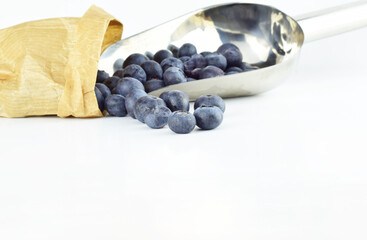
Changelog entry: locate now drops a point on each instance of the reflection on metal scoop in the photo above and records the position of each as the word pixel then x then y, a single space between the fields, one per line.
pixel 267 38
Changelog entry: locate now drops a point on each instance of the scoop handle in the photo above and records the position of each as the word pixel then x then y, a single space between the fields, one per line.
pixel 329 22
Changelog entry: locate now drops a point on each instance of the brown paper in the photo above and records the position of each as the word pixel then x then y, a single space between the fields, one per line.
pixel 49 67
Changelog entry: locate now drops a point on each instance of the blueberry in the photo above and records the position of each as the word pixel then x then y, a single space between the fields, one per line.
pixel 204 54
pixel 184 59
pixel 158 118
pixel 118 64
pixel 146 105
pixel 246 67
pixel 216 60
pixel 195 73
pixel 176 100
pixel 135 58
pixel 172 62
pixel 209 101
pixel 224 47
pixel 135 71
pixel 190 79
pixel 149 55
pixel 102 76
pixel 234 69
pixel 111 82
pixel 231 73
pixel 210 72
pixel 153 85
pixel 173 75
pixel 187 50
pixel 161 55
pixel 173 49
pixel 131 99
pixel 115 105
pixel 196 61
pixel 234 57
pixel 208 118
pixel 118 73
pixel 104 89
pixel 181 122
pixel 152 69
pixel 127 84
pixel 100 98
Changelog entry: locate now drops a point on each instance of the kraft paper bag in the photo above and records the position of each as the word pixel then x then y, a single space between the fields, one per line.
pixel 49 67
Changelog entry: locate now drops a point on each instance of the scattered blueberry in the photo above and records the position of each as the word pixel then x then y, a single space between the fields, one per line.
pixel 173 49
pixel 210 100
pixel 118 73
pixel 216 60
pixel 208 117
pixel 153 85
pixel 102 76
pixel 152 70
pixel 204 54
pixel 234 57
pixel 118 64
pixel 161 55
pixel 184 59
pixel 196 61
pixel 172 62
pixel 187 49
pixel 210 72
pixel 149 55
pixel 100 98
pixel 158 118
pixel 126 84
pixel 173 75
pixel 146 105
pixel 135 58
pixel 234 69
pixel 190 79
pixel 135 71
pixel 181 122
pixel 176 100
pixel 230 73
pixel 115 105
pixel 111 82
pixel 104 89
pixel 195 73
pixel 224 47
pixel 131 99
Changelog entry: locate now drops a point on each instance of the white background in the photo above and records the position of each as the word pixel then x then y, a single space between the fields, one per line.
pixel 288 164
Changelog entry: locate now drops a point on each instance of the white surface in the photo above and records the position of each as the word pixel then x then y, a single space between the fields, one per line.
pixel 288 164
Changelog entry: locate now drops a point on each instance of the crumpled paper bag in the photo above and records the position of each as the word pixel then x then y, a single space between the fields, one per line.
pixel 49 67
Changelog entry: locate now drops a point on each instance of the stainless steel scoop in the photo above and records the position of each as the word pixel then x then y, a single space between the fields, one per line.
pixel 267 38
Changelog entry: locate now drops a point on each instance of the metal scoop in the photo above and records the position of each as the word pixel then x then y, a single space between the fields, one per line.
pixel 267 38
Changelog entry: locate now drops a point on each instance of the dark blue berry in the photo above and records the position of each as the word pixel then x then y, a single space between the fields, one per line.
pixel 204 54
pixel 104 89
pixel 152 69
pixel 176 100
pixel 208 118
pixel 127 84
pixel 131 99
pixel 210 100
pixel 158 118
pixel 196 61
pixel 195 73
pixel 161 55
pixel 210 72
pixel 111 82
pixel 224 47
pixel 118 64
pixel 216 60
pixel 173 75
pixel 146 105
pixel 153 85
pixel 184 59
pixel 149 55
pixel 100 99
pixel 102 76
pixel 189 79
pixel 230 73
pixel 173 49
pixel 135 71
pixel 234 57
pixel 181 122
pixel 187 49
pixel 171 62
pixel 135 58
pixel 118 73
pixel 234 69
pixel 115 105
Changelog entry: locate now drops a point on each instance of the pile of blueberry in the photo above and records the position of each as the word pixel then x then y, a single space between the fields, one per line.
pixel 125 93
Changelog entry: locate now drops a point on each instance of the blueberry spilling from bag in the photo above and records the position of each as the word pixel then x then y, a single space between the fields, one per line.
pixel 140 74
